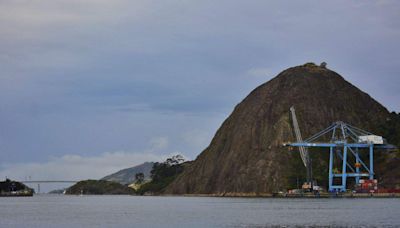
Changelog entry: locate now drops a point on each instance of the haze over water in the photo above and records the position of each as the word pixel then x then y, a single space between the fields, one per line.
pixel 136 211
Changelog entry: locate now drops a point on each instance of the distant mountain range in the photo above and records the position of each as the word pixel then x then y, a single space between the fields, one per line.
pixel 127 176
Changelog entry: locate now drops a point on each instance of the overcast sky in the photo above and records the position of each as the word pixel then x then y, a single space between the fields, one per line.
pixel 90 87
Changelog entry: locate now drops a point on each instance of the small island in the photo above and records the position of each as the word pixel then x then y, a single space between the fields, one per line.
pixel 14 188
pixel 99 187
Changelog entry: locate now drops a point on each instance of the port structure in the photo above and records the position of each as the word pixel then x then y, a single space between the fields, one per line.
pixel 343 141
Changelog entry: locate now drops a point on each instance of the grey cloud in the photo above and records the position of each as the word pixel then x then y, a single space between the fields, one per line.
pixel 86 77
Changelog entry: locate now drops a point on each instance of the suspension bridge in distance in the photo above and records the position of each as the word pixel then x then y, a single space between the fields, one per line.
pixel 38 182
pixel 47 181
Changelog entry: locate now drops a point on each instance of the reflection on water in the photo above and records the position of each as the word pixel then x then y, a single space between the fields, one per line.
pixel 136 211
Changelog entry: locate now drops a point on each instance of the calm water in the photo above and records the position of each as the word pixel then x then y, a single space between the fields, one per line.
pixel 135 211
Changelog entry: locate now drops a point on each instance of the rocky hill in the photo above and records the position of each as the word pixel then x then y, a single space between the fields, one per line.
pixel 246 153
pixel 127 176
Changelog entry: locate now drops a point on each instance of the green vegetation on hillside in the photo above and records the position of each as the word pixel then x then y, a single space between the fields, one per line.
pixel 390 129
pixel 162 175
pixel 13 187
pixel 99 187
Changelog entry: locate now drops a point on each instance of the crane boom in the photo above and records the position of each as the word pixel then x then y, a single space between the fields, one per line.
pixel 305 157
pixel 303 151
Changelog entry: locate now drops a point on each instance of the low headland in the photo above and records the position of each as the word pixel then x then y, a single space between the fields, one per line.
pixel 14 188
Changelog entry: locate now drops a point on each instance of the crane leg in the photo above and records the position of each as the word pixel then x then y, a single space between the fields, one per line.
pixel 330 169
pixel 344 174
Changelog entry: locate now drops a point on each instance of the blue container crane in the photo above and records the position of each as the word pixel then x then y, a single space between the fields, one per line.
pixel 345 140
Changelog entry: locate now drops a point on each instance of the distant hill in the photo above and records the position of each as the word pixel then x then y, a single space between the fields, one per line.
pixel 99 187
pixel 57 191
pixel 127 176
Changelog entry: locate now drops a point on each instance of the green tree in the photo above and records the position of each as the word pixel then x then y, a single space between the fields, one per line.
pixel 139 178
pixel 163 174
pixel 175 160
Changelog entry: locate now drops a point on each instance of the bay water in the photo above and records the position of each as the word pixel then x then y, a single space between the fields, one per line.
pixel 147 211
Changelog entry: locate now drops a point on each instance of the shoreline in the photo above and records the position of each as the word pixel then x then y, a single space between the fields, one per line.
pixel 252 195
pixel 283 195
